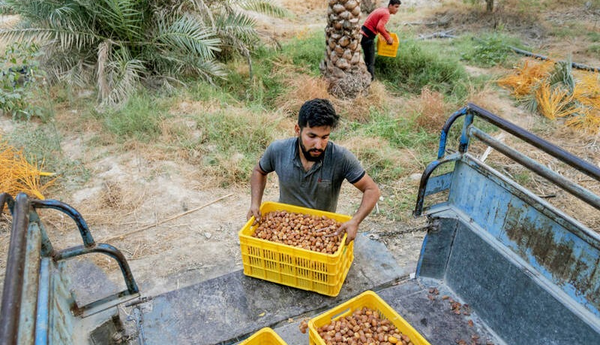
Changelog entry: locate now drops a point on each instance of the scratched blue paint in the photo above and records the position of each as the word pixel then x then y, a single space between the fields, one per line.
pixel 61 319
pixel 43 302
pixel 30 284
pixel 475 192
pixel 438 184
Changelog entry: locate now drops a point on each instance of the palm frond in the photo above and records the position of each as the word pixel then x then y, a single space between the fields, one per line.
pixel 104 50
pixel 563 74
pixel 123 17
pixel 185 64
pixel 237 26
pixel 204 10
pixel 123 74
pixel 265 7
pixel 186 34
pixel 66 38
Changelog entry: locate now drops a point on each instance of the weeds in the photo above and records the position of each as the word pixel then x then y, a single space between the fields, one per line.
pixel 488 51
pixel 233 141
pixel 418 66
pixel 139 119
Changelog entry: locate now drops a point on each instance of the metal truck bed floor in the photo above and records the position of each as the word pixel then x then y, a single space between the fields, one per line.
pixel 429 313
pixel 228 309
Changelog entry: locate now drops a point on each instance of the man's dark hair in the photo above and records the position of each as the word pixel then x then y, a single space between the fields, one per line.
pixel 394 2
pixel 317 112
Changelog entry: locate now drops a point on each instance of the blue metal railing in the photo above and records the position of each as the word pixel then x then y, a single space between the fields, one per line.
pixel 24 214
pixel 470 112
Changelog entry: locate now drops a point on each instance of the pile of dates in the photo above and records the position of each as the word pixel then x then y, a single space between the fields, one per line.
pixel 364 326
pixel 316 233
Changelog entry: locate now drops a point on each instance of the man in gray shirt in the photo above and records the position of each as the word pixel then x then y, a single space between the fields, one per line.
pixel 311 169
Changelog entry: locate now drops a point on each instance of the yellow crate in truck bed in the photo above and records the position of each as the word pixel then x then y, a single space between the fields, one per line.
pixel 367 299
pixel 265 336
pixel 293 266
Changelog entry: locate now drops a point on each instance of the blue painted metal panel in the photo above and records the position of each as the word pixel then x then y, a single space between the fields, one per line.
pixel 500 289
pixel 438 184
pixel 562 250
pixel 30 275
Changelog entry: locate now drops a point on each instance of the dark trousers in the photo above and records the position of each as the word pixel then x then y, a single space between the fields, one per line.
pixel 368 47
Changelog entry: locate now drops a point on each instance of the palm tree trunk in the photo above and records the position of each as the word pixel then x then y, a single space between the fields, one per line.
pixel 343 65
pixel 368 6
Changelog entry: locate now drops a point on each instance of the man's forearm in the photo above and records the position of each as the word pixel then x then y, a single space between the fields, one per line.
pixel 258 181
pixel 367 204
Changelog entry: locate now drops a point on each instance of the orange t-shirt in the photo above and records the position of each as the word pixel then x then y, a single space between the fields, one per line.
pixel 376 22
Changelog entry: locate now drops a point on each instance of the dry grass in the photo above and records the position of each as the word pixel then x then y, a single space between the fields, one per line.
pixel 486 98
pixel 359 108
pixel 430 110
pixel 301 88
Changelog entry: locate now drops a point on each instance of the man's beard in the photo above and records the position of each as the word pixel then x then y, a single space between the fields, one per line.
pixel 307 153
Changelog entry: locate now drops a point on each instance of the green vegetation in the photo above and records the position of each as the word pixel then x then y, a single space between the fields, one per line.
pixel 417 66
pixel 117 44
pixel 232 142
pixel 489 50
pixel 139 119
pixel 21 89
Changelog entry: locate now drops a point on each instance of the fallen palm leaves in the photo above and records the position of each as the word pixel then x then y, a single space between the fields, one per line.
pixel 18 175
pixel 551 89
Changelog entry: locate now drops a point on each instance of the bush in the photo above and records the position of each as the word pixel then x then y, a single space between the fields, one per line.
pixel 418 66
pixel 489 51
pixel 20 79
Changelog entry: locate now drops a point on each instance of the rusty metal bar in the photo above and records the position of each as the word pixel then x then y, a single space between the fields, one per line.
pixel 5 198
pixel 106 249
pixel 84 230
pixel 539 169
pixel 13 279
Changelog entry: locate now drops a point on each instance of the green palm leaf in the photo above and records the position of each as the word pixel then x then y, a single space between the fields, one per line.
pixel 237 26
pixel 123 74
pixel 263 6
pixel 123 18
pixel 187 34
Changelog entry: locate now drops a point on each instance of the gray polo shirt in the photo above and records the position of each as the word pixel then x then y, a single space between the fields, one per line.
pixel 318 188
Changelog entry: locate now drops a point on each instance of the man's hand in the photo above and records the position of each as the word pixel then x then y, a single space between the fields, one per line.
pixel 350 227
pixel 254 211
pixel 390 41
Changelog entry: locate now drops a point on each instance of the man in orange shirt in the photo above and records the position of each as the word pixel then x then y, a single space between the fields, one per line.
pixel 375 24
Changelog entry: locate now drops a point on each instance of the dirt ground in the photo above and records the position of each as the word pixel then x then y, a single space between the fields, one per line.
pixel 177 230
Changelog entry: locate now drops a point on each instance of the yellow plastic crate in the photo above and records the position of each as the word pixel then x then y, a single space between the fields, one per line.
pixel 367 299
pixel 265 336
pixel 293 266
pixel 384 49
